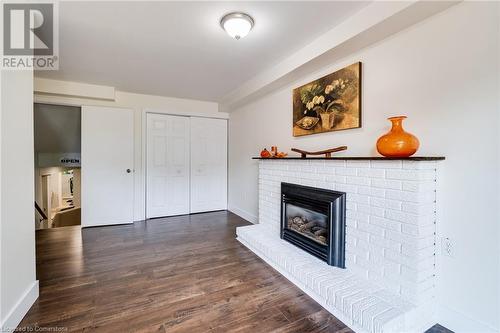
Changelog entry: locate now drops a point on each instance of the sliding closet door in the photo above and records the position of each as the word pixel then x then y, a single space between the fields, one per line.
pixel 208 164
pixel 167 187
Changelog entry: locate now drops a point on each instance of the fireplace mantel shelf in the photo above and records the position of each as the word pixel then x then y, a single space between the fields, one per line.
pixel 359 158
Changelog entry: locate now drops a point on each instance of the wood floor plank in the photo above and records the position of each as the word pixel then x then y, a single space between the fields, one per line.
pixel 315 322
pixel 263 321
pixel 295 309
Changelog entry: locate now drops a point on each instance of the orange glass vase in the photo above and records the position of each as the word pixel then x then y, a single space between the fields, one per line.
pixel 397 142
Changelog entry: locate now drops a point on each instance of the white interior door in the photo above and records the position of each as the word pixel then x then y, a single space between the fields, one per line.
pixel 107 179
pixel 167 187
pixel 208 164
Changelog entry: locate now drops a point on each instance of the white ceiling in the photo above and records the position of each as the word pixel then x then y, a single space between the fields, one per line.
pixel 178 49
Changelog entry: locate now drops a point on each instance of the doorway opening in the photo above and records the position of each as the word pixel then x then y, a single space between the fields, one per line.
pixel 57 143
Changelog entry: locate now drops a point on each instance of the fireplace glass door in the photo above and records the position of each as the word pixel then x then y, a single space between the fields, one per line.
pixel 307 222
pixel 313 219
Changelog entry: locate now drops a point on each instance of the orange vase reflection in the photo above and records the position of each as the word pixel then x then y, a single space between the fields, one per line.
pixel 397 142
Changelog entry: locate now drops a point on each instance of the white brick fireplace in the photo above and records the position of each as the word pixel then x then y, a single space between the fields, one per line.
pixel 389 281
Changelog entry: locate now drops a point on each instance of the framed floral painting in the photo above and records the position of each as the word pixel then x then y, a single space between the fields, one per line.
pixel 331 103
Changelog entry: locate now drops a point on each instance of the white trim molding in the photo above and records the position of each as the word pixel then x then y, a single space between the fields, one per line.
pixel 244 214
pixel 17 313
pixel 459 322
pixel 73 89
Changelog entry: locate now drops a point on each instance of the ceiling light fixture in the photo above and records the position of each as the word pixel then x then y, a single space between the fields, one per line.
pixel 237 25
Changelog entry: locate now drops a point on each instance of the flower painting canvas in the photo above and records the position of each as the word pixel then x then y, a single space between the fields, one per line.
pixel 331 103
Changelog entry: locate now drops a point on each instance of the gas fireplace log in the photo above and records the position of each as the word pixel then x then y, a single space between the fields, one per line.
pixel 306 227
pixel 299 220
pixel 320 232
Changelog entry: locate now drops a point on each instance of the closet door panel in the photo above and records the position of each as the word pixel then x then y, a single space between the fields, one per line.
pixel 167 187
pixel 208 164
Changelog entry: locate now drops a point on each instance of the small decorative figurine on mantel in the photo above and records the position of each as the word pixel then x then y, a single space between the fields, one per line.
pixel 326 152
pixel 274 153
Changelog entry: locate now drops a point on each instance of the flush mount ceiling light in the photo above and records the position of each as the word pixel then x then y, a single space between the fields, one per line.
pixel 237 25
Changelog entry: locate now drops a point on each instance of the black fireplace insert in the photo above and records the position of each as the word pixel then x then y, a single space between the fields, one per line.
pixel 314 220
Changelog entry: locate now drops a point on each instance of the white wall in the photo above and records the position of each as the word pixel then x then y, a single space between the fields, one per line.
pixel 18 287
pixel 443 74
pixel 140 103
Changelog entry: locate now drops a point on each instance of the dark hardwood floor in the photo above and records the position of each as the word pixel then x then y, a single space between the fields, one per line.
pixel 179 274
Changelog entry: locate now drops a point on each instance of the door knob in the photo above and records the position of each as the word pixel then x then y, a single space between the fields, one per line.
pixel 129 171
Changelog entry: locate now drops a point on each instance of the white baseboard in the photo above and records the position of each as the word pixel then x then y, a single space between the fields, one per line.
pixel 244 214
pixel 461 323
pixel 22 307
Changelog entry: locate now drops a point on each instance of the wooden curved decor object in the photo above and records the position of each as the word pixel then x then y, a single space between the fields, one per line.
pixel 326 152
